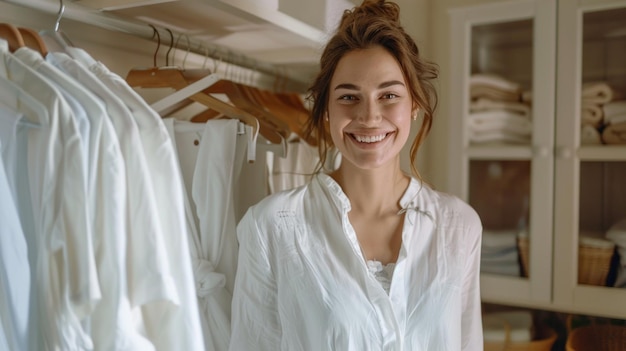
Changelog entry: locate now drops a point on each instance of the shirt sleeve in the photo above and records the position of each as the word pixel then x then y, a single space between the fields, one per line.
pixel 471 323
pixel 255 320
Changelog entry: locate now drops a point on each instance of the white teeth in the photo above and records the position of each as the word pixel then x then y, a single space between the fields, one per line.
pixel 369 139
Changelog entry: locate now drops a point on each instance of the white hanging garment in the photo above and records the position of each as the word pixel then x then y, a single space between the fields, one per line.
pixel 150 279
pixel 211 156
pixel 15 133
pixel 111 320
pixel 65 286
pixel 14 267
pixel 181 329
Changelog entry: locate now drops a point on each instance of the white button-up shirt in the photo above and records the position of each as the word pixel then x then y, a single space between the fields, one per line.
pixel 303 284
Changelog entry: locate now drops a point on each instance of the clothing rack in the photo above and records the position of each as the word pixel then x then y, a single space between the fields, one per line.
pixel 163 36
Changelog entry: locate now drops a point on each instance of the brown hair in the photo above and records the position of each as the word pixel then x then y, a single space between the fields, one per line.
pixel 373 23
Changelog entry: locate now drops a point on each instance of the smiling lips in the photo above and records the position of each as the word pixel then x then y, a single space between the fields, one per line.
pixel 369 138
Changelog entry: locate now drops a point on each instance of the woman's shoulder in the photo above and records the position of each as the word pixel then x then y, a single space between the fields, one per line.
pixel 451 207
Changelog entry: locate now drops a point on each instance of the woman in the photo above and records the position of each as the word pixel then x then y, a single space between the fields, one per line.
pixel 366 257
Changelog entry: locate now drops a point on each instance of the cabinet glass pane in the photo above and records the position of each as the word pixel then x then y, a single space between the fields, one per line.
pixel 500 192
pixel 603 95
pixel 602 223
pixel 500 83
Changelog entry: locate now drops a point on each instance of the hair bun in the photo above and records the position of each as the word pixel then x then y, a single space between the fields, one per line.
pixel 381 9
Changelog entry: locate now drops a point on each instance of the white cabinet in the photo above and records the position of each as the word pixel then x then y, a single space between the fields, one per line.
pixel 546 183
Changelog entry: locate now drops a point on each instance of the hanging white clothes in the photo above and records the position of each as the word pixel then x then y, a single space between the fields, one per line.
pixel 111 320
pixel 150 279
pixel 66 288
pixel 14 268
pixel 180 329
pixel 212 155
pixel 15 132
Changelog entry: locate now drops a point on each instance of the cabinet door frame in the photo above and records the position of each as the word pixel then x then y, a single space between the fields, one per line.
pixel 568 294
pixel 536 290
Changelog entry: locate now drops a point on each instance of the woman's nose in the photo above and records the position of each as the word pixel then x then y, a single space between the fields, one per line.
pixel 369 113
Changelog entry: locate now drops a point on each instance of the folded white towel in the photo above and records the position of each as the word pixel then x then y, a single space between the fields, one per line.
pixel 597 92
pixel 500 120
pixel 591 113
pixel 614 112
pixel 499 238
pixel 484 104
pixel 590 135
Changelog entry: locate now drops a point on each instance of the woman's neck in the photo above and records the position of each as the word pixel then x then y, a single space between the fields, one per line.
pixel 372 192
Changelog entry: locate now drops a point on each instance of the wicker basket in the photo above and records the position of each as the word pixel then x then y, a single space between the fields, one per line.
pixel 594 259
pixel 597 338
pixel 543 342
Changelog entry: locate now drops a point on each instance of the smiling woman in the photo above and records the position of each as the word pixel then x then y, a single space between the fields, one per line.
pixel 366 257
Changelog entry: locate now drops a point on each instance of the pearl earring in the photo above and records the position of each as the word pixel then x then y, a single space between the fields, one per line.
pixel 415 116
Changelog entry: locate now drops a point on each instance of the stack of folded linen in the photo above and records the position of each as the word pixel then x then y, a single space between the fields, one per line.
pixel 497 113
pixel 614 131
pixel 617 234
pixel 499 252
pixel 598 99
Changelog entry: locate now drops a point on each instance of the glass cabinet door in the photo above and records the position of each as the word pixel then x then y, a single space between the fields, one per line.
pixel 590 187
pixel 503 91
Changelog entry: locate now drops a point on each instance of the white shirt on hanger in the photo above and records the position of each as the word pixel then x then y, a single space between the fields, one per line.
pixel 183 331
pixel 61 214
pixel 303 284
pixel 111 320
pixel 14 266
pixel 151 279
pixel 15 133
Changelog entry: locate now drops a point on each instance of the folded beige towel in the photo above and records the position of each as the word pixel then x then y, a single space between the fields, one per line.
pixel 484 91
pixel 493 86
pixel 597 93
pixel 614 134
pixel 484 104
pixel 590 135
pixel 591 113
pixel 494 81
pixel 614 112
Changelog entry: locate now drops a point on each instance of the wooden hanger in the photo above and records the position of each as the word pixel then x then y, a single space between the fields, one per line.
pixel 239 98
pixel 33 40
pixel 294 117
pixel 12 35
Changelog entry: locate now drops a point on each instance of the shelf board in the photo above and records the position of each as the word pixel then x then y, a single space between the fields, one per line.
pixel 497 152
pixel 602 153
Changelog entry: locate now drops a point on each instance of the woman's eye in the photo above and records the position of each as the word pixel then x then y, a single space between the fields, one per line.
pixel 347 97
pixel 390 96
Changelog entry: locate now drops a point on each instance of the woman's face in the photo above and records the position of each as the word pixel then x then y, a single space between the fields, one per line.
pixel 369 108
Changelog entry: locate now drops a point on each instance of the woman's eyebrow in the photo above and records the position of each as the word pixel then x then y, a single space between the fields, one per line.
pixel 380 86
